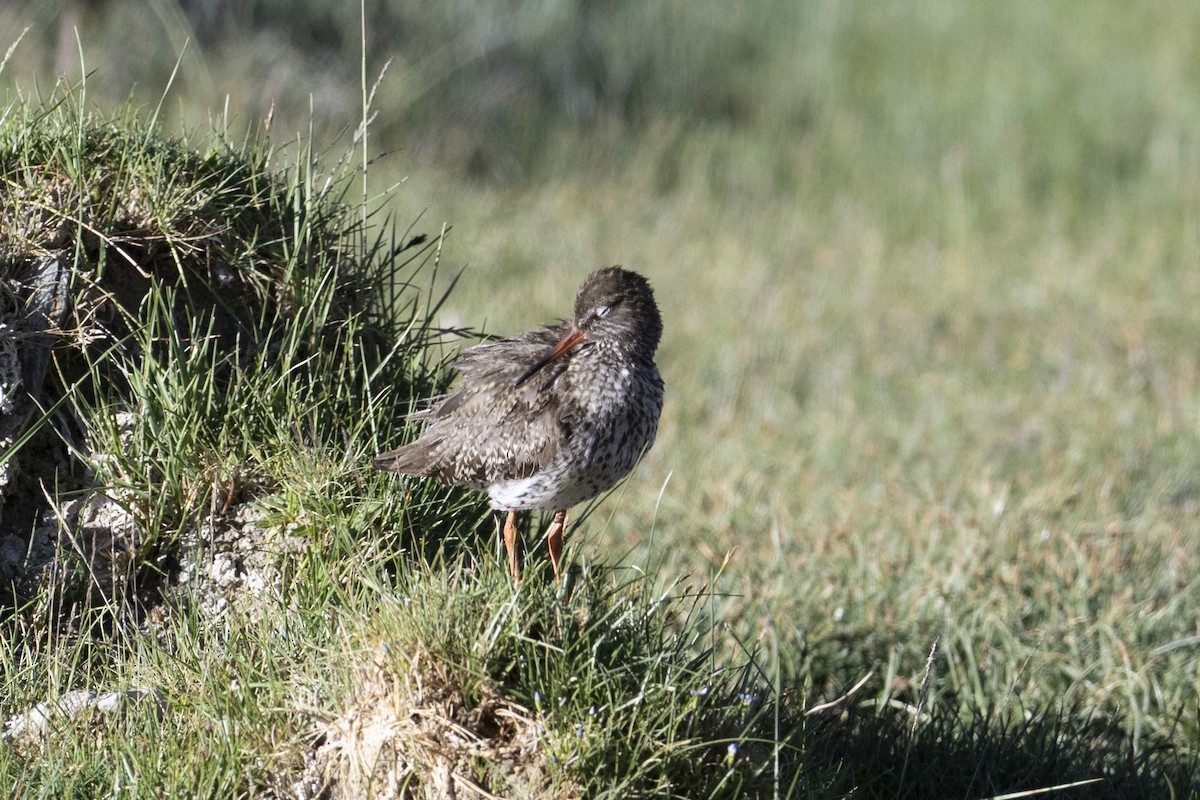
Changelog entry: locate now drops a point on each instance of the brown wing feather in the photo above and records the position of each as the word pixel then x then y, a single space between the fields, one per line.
pixel 489 429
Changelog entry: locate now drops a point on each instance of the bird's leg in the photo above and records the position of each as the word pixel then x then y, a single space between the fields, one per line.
pixel 554 541
pixel 512 540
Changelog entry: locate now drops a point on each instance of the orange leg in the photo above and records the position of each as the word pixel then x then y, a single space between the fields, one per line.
pixel 554 541
pixel 512 541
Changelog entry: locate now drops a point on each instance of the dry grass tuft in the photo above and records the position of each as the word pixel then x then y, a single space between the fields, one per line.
pixel 408 733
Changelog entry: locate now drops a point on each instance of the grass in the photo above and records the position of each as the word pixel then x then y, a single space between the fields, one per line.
pixel 930 295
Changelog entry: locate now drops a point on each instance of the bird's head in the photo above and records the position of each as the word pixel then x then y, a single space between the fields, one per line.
pixel 614 308
pixel 617 305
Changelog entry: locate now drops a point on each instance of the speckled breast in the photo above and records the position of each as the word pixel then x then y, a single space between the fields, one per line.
pixel 608 436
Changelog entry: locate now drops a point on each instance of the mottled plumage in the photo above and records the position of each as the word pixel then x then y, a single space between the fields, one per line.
pixel 552 417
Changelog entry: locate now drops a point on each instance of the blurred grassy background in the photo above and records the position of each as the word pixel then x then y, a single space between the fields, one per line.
pixel 928 270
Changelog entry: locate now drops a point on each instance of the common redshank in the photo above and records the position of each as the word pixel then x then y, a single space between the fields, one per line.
pixel 552 417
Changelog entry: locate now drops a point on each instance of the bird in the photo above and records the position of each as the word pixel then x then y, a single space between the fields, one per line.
pixel 552 417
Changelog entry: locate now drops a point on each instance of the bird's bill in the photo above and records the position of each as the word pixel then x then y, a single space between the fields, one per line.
pixel 566 343
pixel 573 338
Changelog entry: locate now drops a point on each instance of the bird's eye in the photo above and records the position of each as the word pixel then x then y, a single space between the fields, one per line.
pixel 603 311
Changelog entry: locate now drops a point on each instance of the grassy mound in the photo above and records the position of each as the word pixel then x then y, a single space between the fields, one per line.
pixel 191 515
pixel 181 318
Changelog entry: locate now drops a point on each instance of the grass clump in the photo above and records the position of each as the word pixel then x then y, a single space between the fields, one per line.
pixel 209 311
pixel 606 693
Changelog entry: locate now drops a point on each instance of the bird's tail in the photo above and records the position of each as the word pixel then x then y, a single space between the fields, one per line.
pixel 412 459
